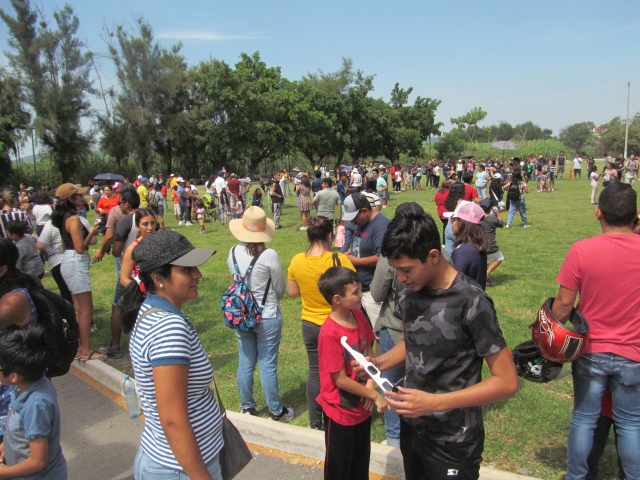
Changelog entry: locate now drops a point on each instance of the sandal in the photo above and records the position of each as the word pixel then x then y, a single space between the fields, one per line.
pixel 92 355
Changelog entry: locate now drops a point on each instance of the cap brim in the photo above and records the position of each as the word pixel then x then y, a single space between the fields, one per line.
pixel 350 216
pixel 237 230
pixel 448 214
pixel 82 191
pixel 194 258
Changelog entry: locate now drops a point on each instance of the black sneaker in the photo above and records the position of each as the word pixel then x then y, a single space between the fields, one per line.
pixel 316 426
pixel 285 416
pixel 113 353
pixel 250 411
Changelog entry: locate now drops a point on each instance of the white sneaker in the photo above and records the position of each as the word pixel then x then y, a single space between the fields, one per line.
pixel 180 222
pixel 303 228
pixel 526 226
pixel 508 226
pixel 188 224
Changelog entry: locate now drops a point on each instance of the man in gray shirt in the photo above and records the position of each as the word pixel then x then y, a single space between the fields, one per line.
pixel 327 200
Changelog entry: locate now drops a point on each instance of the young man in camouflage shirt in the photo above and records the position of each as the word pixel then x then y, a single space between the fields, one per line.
pixel 449 327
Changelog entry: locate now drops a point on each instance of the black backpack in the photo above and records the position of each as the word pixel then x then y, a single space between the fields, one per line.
pixel 57 318
pixel 514 192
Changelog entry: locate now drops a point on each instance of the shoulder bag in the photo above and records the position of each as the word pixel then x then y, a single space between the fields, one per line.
pixel 235 455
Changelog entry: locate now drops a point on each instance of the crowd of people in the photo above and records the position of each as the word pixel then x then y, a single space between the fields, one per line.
pixel 401 283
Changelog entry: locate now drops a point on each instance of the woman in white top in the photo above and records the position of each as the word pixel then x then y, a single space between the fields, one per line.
pixel 51 242
pixel 266 283
pixel 42 210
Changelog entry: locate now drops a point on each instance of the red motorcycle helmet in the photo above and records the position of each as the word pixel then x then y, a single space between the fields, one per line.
pixel 556 341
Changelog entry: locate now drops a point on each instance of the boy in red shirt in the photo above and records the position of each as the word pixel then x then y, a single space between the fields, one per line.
pixel 345 400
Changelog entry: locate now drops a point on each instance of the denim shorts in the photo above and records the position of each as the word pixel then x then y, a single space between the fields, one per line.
pixel 75 271
pixel 144 468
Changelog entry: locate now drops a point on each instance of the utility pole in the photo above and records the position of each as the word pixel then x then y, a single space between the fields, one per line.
pixel 626 133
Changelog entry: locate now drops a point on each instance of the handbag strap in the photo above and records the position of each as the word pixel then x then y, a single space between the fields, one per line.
pixel 336 260
pixel 147 312
pixel 223 411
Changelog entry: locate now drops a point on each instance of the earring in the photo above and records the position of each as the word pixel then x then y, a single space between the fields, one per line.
pixel 161 285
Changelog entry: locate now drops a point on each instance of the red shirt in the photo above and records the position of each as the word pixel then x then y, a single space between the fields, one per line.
pixel 340 406
pixel 470 192
pixel 440 199
pixel 233 185
pixel 609 291
pixel 108 203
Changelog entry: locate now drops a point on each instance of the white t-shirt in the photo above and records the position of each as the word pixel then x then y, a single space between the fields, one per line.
pixel 219 183
pixel 42 213
pixel 594 180
pixel 577 163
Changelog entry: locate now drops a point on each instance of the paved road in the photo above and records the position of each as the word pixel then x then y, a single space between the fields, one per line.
pixel 100 442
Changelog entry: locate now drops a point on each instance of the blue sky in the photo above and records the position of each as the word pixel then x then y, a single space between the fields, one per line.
pixel 553 62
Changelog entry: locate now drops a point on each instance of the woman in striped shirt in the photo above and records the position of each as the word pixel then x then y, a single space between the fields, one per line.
pixel 182 430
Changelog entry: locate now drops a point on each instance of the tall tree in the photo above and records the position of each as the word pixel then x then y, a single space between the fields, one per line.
pixel 468 122
pixel 530 131
pixel 575 136
pixel 13 120
pixel 450 145
pixel 244 113
pixel 153 107
pixel 54 68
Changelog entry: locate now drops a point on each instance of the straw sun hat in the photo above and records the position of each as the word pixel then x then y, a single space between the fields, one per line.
pixel 253 227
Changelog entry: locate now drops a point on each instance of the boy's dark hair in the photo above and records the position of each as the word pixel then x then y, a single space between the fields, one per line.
pixel 318 173
pixel 25 352
pixel 334 282
pixel 372 185
pixel 16 227
pixel 618 204
pixel 411 234
pixel 328 181
pixel 131 197
pixel 467 177
pixel 42 198
pixel 375 170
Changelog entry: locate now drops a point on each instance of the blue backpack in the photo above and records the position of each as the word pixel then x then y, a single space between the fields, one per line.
pixel 240 309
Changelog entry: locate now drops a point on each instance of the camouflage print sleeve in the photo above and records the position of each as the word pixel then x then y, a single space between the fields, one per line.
pixel 481 322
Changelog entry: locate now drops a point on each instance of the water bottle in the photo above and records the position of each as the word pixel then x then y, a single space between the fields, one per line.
pixel 131 397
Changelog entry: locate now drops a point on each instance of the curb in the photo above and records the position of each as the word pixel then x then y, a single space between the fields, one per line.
pixel 385 460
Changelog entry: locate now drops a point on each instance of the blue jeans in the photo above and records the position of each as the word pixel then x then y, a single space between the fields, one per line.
pixel 517 205
pixel 591 374
pixel 146 469
pixel 391 418
pixel 260 346
pixel 482 191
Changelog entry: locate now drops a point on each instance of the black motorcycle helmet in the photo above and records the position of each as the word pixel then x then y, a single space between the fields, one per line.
pixel 532 366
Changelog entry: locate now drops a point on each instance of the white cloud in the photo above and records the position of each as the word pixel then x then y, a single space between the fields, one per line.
pixel 205 36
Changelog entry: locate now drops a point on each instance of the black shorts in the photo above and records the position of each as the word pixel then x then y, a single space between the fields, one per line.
pixel 435 460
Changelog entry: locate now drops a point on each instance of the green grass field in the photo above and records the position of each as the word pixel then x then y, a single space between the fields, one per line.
pixel 527 431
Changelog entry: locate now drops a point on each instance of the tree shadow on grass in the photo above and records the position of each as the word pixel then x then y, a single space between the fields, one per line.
pixel 554 456
pixel 219 362
pixel 495 406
